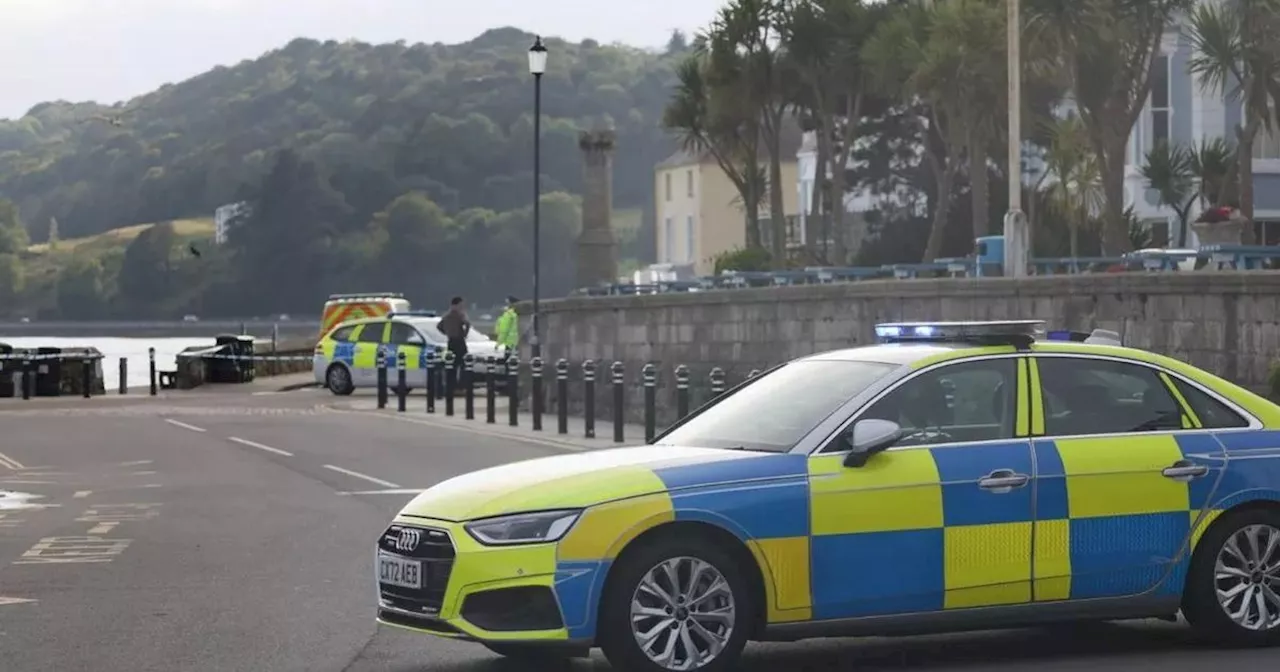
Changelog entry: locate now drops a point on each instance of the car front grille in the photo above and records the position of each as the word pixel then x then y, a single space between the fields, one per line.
pixel 435 550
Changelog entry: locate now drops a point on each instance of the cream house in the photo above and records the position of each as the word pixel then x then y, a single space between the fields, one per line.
pixel 699 212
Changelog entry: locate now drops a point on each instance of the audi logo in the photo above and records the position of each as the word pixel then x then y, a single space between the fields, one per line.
pixel 408 540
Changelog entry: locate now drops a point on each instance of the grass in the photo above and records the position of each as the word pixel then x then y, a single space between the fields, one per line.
pixel 183 228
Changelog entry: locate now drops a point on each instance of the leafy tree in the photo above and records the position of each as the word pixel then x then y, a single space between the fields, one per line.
pixel 12 282
pixel 1106 48
pixel 80 289
pixel 13 236
pixel 1170 171
pixel 146 271
pixel 1236 55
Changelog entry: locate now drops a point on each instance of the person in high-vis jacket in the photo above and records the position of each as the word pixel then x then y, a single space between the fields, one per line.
pixel 508 328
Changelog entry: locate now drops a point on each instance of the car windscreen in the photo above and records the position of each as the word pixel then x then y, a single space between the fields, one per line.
pixel 776 410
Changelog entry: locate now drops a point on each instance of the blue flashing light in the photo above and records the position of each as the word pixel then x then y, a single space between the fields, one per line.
pixel 1066 335
pixel 1004 332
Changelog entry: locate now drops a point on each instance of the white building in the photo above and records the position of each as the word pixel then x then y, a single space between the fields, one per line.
pixel 222 219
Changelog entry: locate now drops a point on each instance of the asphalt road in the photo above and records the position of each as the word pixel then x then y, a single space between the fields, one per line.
pixel 228 532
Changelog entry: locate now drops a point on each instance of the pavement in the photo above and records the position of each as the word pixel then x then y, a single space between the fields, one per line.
pixel 231 530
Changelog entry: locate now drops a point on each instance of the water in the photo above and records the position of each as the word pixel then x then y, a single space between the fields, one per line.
pixel 112 349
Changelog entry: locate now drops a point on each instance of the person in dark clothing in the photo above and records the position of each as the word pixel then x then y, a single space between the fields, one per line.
pixel 455 326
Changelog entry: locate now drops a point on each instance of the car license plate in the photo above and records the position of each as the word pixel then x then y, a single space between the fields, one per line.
pixel 399 572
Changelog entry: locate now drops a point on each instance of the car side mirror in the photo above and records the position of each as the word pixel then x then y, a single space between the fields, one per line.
pixel 869 437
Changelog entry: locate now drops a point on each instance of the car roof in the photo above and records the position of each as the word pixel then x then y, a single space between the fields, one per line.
pixel 907 354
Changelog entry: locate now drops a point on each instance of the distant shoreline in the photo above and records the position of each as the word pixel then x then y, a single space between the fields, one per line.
pixel 157 329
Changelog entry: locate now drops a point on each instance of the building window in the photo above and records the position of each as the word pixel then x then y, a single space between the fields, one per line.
pixel 667 181
pixel 688 179
pixel 668 238
pixel 1160 110
pixel 688 239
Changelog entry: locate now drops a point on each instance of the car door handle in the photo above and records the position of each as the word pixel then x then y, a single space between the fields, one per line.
pixel 1185 470
pixel 1001 481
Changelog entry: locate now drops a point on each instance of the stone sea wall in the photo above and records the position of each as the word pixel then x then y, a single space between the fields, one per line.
pixel 1225 321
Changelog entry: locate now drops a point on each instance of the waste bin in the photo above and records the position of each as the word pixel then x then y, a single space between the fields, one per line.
pixel 49 372
pixel 10 372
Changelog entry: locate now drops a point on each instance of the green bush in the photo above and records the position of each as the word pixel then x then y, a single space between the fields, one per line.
pixel 744 259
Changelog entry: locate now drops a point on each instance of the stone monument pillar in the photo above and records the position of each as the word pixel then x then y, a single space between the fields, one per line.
pixel 597 246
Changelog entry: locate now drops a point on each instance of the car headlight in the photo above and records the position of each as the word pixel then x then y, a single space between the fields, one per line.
pixel 523 528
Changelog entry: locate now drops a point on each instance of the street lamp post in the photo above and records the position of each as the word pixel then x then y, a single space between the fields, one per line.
pixel 1016 236
pixel 537 66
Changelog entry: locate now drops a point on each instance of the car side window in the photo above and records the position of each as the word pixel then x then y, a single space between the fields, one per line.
pixel 1101 396
pixel 403 334
pixel 371 333
pixel 343 334
pixel 967 401
pixel 1213 414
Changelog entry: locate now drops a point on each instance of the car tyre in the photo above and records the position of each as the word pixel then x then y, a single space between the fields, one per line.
pixel 711 609
pixel 1236 563
pixel 338 379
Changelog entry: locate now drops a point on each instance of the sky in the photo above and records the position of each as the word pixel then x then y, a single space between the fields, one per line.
pixel 112 50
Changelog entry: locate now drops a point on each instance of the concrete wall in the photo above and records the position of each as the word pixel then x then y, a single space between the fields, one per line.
pixel 1226 322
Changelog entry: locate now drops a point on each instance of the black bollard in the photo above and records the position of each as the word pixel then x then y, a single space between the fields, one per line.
pixel 535 373
pixel 682 392
pixel 402 382
pixel 86 376
pixel 382 378
pixel 28 378
pixel 151 358
pixel 490 389
pixel 450 382
pixel 433 363
pixel 589 398
pixel 650 377
pixel 562 396
pixel 513 390
pixel 619 381
pixel 717 382
pixel 468 382
pixel 124 375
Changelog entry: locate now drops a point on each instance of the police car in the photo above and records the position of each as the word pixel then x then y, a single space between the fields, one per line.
pixel 346 357
pixel 954 476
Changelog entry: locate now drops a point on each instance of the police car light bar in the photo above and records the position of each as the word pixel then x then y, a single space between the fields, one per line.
pixel 1095 337
pixel 414 313
pixel 1020 333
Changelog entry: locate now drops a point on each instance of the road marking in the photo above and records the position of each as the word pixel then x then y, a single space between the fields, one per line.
pixel 81 494
pixel 16 481
pixel 6 601
pixel 259 446
pixel 394 491
pixel 551 443
pixel 68 550
pixel 356 474
pixel 184 425
pixel 117 513
pixel 10 463
pixel 11 523
pixel 143 473
pixel 103 528
pixel 136 463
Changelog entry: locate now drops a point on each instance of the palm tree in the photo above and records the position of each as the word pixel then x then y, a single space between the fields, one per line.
pixel 951 56
pixel 706 121
pixel 1168 169
pixel 1236 55
pixel 743 46
pixel 823 40
pixel 1107 48
pixel 1212 163
pixel 1076 191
